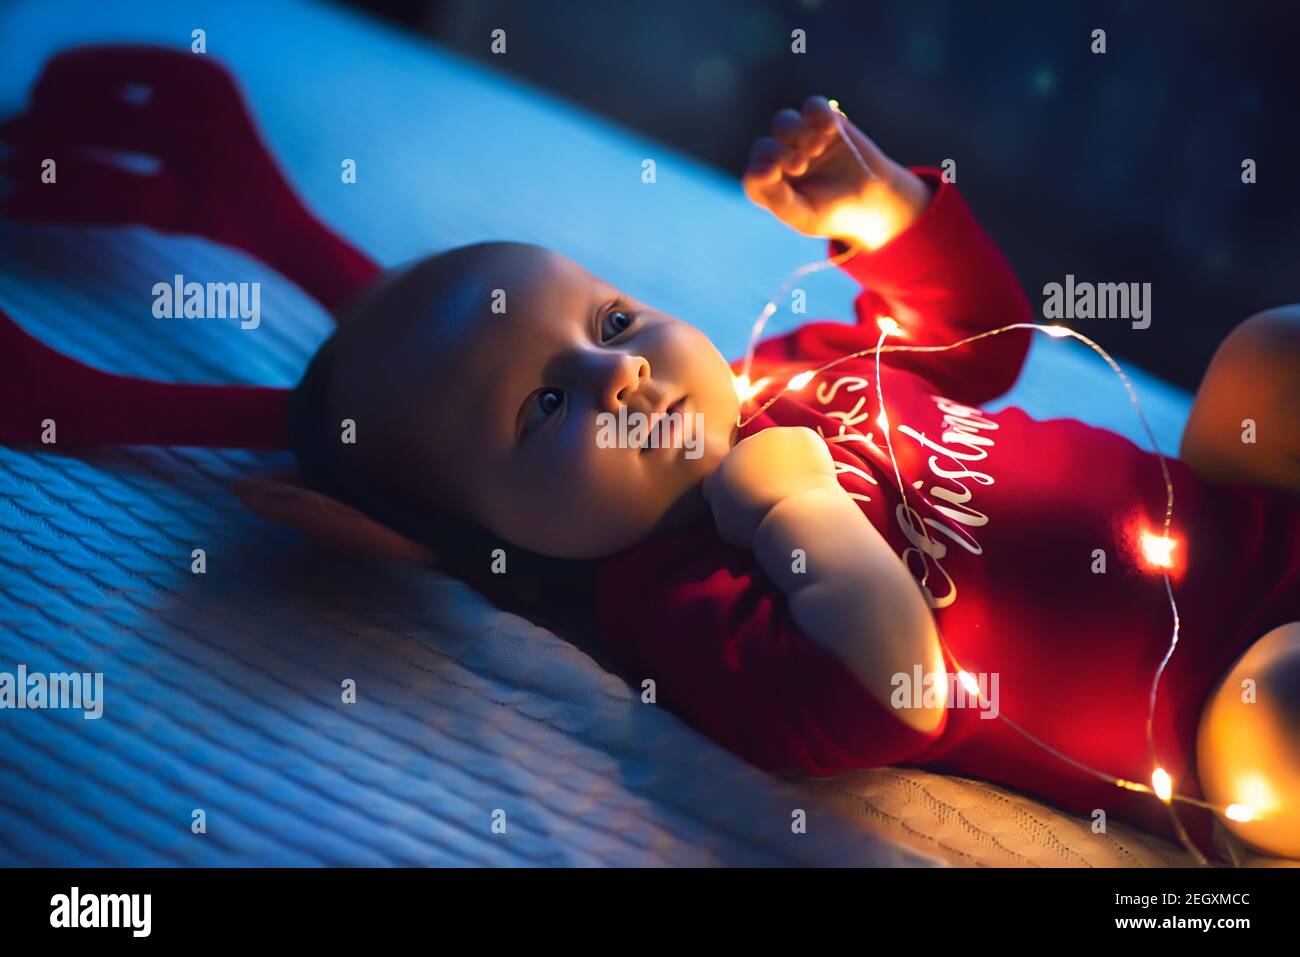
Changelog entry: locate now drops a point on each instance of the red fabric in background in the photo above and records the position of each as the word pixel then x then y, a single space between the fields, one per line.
pixel 215 179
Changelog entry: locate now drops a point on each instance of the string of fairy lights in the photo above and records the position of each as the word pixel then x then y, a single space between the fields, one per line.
pixel 1157 549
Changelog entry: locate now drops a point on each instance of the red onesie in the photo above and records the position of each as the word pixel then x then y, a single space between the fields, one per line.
pixel 1021 515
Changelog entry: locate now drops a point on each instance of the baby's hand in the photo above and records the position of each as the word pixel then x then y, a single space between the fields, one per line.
pixel 806 175
pixel 762 470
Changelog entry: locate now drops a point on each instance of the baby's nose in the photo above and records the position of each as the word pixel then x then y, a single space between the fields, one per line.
pixel 623 379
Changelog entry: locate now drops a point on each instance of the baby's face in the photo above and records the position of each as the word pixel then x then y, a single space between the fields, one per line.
pixel 507 405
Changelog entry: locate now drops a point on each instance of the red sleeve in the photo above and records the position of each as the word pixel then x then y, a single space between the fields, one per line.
pixel 216 177
pixel 700 618
pixel 89 406
pixel 942 279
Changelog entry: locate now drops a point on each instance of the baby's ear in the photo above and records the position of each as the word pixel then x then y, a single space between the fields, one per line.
pixel 287 502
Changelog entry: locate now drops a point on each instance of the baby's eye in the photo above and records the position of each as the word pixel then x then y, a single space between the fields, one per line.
pixel 544 404
pixel 614 323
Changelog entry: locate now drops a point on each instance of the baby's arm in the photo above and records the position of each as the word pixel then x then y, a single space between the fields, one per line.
pixel 776 493
pixel 920 255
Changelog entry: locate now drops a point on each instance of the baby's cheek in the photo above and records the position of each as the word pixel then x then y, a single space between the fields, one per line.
pixel 584 500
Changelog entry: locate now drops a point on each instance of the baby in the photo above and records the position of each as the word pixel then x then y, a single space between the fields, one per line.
pixel 477 435
pixel 782 587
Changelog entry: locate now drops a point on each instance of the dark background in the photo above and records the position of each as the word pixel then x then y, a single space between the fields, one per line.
pixel 1120 167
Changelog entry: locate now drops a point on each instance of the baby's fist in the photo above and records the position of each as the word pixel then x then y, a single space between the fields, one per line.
pixel 762 470
pixel 805 174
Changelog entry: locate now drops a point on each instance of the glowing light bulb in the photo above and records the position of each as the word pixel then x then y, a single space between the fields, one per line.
pixel 969 683
pixel 889 326
pixel 872 228
pixel 1257 794
pixel 1158 549
pixel 1057 332
pixel 745 390
pixel 801 380
pixel 1163 784
pixel 1239 812
pixel 834 105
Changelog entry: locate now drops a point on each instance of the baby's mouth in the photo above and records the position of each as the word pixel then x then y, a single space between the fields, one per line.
pixel 668 430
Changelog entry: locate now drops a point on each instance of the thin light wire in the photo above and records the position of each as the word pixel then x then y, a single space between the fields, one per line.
pixel 770 309
pixel 886 425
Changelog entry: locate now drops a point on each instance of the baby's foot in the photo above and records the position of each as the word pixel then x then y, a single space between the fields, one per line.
pixel 1248 747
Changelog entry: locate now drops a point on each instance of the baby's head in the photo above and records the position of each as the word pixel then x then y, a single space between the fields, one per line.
pixel 475 379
